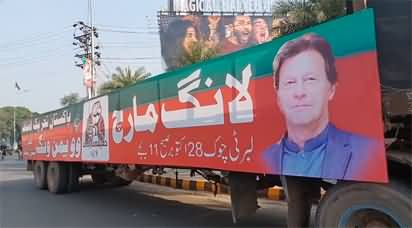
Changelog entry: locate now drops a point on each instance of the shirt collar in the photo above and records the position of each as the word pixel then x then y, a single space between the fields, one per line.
pixel 310 144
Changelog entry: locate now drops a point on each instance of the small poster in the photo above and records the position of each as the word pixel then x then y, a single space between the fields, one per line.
pixel 95 130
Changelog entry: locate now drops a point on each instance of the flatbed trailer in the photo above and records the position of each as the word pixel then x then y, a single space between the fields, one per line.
pixel 216 118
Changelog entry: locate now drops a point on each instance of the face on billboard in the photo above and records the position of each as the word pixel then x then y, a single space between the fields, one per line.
pixel 260 30
pixel 242 28
pixel 190 38
pixel 304 90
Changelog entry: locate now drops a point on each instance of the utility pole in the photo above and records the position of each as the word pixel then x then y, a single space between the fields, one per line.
pixel 92 70
pixel 14 127
pixel 84 37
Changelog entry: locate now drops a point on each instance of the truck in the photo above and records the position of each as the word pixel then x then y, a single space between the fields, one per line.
pixel 217 118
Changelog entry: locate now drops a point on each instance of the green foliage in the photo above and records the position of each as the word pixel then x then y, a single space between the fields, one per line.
pixel 69 99
pixel 329 9
pixel 199 51
pixel 122 78
pixel 300 14
pixel 6 122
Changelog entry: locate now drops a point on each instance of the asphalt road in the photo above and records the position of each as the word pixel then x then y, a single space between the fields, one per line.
pixel 137 205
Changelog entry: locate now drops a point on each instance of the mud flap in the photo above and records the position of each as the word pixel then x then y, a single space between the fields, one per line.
pixel 242 195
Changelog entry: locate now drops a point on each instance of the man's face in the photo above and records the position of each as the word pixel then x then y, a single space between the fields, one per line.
pixel 304 90
pixel 96 113
pixel 242 28
pixel 261 30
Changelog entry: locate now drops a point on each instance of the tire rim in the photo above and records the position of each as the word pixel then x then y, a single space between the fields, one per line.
pixel 369 216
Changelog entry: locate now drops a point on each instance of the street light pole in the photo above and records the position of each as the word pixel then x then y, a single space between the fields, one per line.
pixel 14 127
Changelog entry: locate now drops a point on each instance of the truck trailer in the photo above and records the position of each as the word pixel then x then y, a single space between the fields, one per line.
pixel 222 118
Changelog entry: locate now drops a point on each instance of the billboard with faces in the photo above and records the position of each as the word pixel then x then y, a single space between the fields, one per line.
pixel 222 34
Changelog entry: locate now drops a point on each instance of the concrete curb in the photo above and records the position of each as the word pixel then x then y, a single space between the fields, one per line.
pixel 274 193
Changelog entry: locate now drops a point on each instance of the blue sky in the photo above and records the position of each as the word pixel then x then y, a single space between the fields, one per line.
pixel 36 46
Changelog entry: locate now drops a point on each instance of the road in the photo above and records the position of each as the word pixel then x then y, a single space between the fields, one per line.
pixel 137 205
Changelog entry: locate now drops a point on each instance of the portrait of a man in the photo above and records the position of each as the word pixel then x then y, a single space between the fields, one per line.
pixel 305 82
pixel 260 31
pixel 95 129
pixel 241 34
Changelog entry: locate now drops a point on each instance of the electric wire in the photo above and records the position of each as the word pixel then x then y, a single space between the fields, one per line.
pixel 34 42
pixel 129 31
pixel 127 27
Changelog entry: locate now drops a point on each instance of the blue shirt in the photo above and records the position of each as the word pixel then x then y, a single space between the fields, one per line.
pixel 306 162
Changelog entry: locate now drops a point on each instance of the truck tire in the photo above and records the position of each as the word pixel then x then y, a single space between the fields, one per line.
pixel 365 205
pixel 57 177
pixel 40 174
pixel 243 196
pixel 73 177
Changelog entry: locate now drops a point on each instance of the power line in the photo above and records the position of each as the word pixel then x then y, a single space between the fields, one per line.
pixel 127 27
pixel 136 42
pixel 105 67
pixel 25 55
pixel 39 43
pixel 43 54
pixel 136 58
pixel 129 32
pixel 34 40
pixel 106 76
pixel 128 46
pixel 136 62
pixel 28 61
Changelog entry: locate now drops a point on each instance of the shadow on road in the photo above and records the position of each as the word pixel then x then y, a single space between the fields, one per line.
pixel 107 206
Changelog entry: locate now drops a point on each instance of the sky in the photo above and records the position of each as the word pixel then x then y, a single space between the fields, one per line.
pixel 36 49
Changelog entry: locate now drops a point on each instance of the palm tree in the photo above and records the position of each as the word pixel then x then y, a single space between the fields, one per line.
pixel 300 14
pixel 69 99
pixel 122 78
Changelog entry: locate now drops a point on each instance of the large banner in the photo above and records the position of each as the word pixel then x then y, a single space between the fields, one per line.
pixel 306 104
pixel 223 34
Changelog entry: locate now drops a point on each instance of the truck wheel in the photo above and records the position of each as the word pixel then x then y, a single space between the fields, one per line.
pixel 40 174
pixel 365 205
pixel 73 177
pixel 243 196
pixel 57 177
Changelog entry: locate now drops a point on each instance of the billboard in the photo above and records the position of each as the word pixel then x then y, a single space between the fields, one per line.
pixel 223 34
pixel 221 5
pixel 306 104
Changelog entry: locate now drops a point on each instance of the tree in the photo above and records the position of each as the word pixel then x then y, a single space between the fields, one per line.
pixel 122 78
pixel 199 51
pixel 329 9
pixel 6 122
pixel 300 14
pixel 69 99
